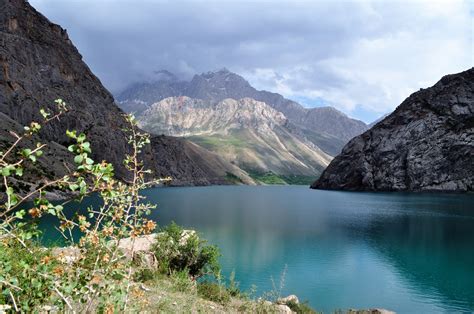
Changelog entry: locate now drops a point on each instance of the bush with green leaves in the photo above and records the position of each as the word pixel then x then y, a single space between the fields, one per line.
pixel 214 292
pixel 177 249
pixel 301 308
pixel 99 277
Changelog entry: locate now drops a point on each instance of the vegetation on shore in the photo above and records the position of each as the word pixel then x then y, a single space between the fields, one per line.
pixel 271 178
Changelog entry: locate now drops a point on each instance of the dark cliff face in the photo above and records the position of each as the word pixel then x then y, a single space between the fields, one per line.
pixel 38 64
pixel 426 144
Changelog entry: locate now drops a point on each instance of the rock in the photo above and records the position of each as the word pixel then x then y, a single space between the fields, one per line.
pixel 144 288
pixel 4 308
pixel 48 309
pixel 291 298
pixel 283 309
pixel 426 144
pixel 139 244
pixel 67 255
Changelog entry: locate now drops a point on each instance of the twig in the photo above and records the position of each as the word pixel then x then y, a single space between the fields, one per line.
pixel 65 299
pixel 14 302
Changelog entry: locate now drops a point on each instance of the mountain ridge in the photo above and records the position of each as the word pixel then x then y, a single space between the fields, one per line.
pixel 218 85
pixel 426 144
pixel 248 133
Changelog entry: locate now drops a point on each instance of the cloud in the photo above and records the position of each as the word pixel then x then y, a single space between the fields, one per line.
pixel 359 56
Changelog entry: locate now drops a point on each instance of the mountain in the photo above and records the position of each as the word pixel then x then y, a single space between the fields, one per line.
pixel 326 127
pixel 38 64
pixel 370 125
pixel 426 144
pixel 246 132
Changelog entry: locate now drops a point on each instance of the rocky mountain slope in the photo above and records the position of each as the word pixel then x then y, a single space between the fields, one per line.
pixel 426 144
pixel 246 132
pixel 39 63
pixel 326 127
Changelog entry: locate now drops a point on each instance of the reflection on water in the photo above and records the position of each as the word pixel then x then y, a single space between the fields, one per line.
pixel 404 252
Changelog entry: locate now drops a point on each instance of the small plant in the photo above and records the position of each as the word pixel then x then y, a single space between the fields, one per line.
pixel 300 308
pixel 213 291
pixel 177 250
pixel 233 286
pixel 181 281
pixel 276 292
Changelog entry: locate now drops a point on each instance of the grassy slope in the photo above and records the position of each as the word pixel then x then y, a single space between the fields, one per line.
pixel 234 145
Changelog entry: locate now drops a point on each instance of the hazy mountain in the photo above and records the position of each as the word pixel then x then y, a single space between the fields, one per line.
pixel 38 64
pixel 246 132
pixel 426 144
pixel 327 127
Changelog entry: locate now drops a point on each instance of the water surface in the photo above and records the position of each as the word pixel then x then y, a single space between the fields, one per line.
pixel 404 252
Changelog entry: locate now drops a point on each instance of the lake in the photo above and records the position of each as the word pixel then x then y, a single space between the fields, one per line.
pixel 404 252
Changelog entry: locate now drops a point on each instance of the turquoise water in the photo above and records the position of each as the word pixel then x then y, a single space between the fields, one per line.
pixel 410 253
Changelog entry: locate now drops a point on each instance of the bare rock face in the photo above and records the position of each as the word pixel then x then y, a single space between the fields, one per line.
pixel 248 133
pixel 426 144
pixel 38 64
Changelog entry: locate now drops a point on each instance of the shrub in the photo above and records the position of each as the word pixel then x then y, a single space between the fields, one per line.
pixel 177 250
pixel 99 277
pixel 213 291
pixel 301 308
pixel 181 281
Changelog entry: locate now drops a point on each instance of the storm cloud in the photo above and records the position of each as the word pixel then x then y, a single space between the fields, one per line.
pixel 362 57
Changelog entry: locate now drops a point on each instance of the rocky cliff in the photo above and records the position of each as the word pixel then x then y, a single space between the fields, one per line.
pixel 39 63
pixel 326 127
pixel 426 144
pixel 246 132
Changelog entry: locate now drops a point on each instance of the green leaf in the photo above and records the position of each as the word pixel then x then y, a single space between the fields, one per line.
pixel 6 171
pixel 89 161
pixel 19 171
pixel 71 134
pixel 33 158
pixel 81 138
pixel 73 187
pixel 9 191
pixel 39 153
pixel 82 187
pixel 86 146
pixel 44 113
pixel 78 159
pixel 26 152
pixel 20 214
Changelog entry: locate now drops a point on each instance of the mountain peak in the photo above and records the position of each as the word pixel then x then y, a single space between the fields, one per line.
pixel 164 75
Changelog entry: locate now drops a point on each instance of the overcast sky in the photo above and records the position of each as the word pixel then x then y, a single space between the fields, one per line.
pixel 363 57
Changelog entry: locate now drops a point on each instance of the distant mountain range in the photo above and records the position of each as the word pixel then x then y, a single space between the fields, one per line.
pixel 221 111
pixel 326 127
pixel 426 144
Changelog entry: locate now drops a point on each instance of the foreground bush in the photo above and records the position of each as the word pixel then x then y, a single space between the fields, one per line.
pixel 99 276
pixel 178 250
